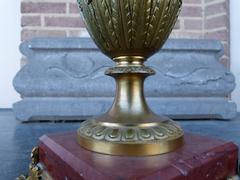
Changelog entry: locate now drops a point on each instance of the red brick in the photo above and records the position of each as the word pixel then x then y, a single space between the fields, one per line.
pixel 217 22
pixel 73 8
pixel 29 34
pixel 30 21
pixel 191 11
pixel 64 22
pixel 192 1
pixel 219 35
pixel 193 24
pixel 215 8
pixel 31 7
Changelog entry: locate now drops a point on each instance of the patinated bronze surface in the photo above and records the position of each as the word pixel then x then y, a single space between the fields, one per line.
pixel 129 31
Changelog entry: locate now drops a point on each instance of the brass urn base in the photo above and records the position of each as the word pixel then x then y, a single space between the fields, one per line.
pixel 130 128
pixel 129 32
pixel 130 139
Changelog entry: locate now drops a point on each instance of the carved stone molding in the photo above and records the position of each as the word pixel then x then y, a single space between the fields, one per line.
pixel 64 79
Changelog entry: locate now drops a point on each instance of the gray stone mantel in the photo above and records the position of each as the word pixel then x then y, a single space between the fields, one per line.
pixel 64 80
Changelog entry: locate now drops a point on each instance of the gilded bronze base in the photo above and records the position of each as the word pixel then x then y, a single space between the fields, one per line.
pixel 130 127
pixel 130 139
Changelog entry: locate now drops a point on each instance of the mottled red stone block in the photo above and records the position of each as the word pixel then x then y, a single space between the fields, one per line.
pixel 201 158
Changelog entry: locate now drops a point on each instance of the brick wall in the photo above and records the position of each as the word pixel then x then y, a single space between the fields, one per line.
pixel 217 25
pixel 60 18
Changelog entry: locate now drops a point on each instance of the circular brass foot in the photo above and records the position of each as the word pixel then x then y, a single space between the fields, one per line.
pixel 130 139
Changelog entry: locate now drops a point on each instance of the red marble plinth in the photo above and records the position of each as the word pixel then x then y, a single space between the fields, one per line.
pixel 201 158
